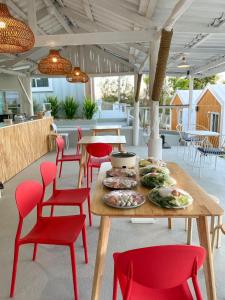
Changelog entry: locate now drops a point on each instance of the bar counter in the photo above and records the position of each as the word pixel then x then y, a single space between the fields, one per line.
pixel 21 144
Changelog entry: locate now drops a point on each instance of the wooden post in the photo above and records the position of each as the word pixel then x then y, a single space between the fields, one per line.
pixel 25 83
pixel 155 143
pixel 137 85
pixel 190 108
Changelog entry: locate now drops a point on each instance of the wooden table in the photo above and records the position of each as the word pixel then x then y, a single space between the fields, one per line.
pixel 114 140
pixel 106 128
pixel 202 207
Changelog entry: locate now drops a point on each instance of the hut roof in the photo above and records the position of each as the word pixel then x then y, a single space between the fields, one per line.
pixel 218 91
pixel 184 96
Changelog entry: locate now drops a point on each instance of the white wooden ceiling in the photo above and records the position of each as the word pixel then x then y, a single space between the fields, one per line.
pixel 113 36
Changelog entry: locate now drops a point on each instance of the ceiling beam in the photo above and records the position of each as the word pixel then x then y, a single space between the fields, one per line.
pixel 87 9
pixel 61 19
pixel 11 72
pixel 196 28
pixel 80 20
pixel 116 7
pixel 178 10
pixel 32 18
pixel 114 37
pixel 21 14
pixel 211 64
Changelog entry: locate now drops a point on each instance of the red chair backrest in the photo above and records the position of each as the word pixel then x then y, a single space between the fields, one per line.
pixel 60 143
pixel 159 267
pixel 28 196
pixel 99 149
pixel 48 172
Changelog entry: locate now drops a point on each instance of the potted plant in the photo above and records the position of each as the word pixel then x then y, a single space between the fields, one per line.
pixel 53 100
pixel 89 108
pixel 70 107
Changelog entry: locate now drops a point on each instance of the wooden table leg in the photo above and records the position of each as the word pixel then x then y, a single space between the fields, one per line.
pixel 204 238
pixel 100 256
pixel 121 147
pixel 82 165
pixel 189 233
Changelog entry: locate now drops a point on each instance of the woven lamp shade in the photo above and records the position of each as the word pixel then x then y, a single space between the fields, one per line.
pixel 15 35
pixel 76 76
pixel 54 64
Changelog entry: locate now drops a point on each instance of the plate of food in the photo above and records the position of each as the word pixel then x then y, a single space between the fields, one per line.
pixel 151 161
pixel 121 172
pixel 170 197
pixel 119 183
pixel 152 180
pixel 153 169
pixel 124 199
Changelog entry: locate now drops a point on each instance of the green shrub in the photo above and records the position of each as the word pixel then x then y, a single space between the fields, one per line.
pixel 70 107
pixel 89 108
pixel 37 106
pixel 53 100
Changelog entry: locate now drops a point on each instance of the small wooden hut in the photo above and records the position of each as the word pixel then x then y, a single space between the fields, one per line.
pixel 210 108
pixel 179 113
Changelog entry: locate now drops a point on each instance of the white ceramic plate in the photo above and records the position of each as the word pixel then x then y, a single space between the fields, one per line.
pixel 113 199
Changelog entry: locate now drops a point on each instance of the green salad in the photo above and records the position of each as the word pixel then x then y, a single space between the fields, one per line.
pixel 153 180
pixel 168 197
pixel 153 169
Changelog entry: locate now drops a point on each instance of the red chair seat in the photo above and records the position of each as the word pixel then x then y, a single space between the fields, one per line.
pixel 70 157
pixel 97 161
pixel 55 230
pixel 181 292
pixel 68 197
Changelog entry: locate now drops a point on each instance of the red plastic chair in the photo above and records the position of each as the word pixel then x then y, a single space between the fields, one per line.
pixel 61 157
pixel 98 153
pixel 69 197
pixel 159 272
pixel 62 231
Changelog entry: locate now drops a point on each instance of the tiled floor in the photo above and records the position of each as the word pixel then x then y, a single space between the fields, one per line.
pixel 50 276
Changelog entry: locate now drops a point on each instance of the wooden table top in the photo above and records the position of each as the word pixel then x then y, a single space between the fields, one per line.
pixel 109 139
pixel 105 127
pixel 203 204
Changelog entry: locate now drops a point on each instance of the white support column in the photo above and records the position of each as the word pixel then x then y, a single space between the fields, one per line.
pixel 136 124
pixel 190 109
pixel 136 120
pixel 155 142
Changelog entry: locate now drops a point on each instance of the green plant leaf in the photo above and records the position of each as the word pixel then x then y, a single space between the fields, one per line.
pixel 89 108
pixel 70 107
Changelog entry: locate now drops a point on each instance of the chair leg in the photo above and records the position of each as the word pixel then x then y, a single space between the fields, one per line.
pixel 218 235
pixel 196 153
pixel 84 238
pixel 91 174
pixel 200 165
pixel 170 223
pixel 35 251
pixel 217 228
pixel 15 262
pixel 52 211
pixel 189 233
pixel 60 170
pixel 186 224
pixel 212 224
pixel 88 177
pixel 74 273
pixel 115 285
pixel 89 210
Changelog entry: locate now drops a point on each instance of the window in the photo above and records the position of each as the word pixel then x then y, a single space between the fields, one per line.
pixel 180 116
pixel 41 84
pixel 214 121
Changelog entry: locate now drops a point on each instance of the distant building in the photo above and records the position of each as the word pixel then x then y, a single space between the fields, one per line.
pixel 210 108
pixel 43 87
pixel 179 115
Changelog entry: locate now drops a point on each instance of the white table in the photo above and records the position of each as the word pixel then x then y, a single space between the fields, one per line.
pixel 202 132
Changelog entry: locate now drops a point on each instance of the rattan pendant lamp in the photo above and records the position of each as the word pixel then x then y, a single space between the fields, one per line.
pixel 76 76
pixel 54 64
pixel 15 35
